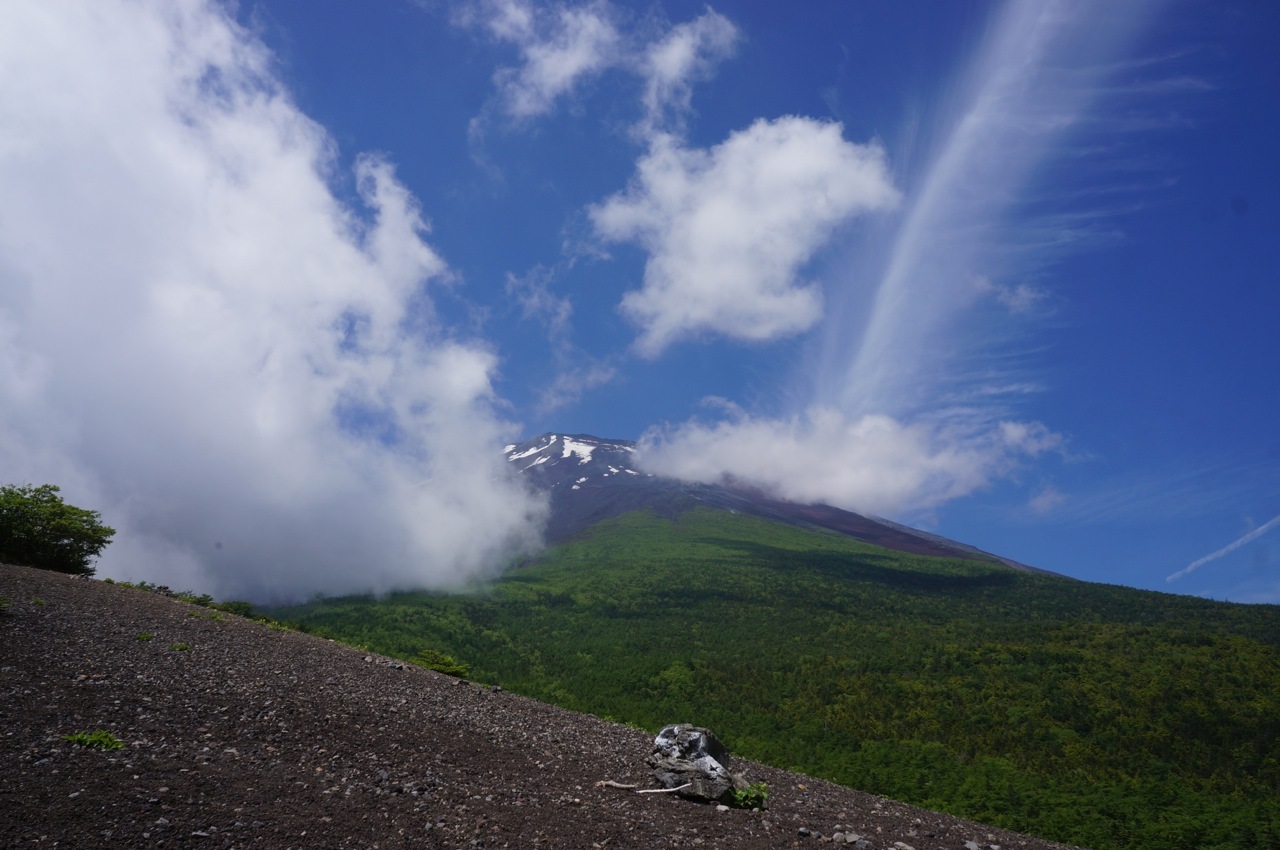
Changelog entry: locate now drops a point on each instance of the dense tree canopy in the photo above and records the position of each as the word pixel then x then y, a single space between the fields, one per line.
pixel 38 529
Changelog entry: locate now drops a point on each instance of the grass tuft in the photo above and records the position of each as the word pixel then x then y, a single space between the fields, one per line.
pixel 99 739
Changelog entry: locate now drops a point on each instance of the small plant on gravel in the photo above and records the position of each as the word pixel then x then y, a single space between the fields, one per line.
pixel 145 635
pixel 37 601
pixel 99 739
pixel 611 719
pixel 433 659
pixel 180 647
pixel 208 615
pixel 751 797
pixel 5 603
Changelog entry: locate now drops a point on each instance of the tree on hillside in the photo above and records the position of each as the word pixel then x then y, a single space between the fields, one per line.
pixel 38 529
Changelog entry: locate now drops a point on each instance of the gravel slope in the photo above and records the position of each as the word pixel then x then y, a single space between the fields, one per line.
pixel 254 737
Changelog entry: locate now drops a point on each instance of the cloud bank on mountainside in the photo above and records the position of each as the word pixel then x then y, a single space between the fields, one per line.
pixel 872 464
pixel 245 375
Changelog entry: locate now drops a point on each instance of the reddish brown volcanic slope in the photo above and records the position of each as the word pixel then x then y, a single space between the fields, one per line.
pixel 261 738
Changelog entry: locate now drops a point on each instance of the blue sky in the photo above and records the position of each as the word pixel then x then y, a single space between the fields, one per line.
pixel 278 279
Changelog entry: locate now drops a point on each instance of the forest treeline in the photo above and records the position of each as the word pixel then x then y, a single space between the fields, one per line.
pixel 1097 715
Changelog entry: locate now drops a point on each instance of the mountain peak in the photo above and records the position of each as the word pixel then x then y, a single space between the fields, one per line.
pixel 571 460
pixel 591 478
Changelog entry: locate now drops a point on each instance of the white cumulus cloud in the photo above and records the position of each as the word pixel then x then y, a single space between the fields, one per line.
pixel 197 338
pixel 729 229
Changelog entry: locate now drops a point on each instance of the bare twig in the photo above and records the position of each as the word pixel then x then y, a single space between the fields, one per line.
pixel 664 790
pixel 609 783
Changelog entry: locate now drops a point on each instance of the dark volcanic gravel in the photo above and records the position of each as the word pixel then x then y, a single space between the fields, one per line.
pixel 255 737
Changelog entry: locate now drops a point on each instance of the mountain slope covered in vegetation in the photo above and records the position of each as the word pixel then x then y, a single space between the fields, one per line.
pixel 1098 715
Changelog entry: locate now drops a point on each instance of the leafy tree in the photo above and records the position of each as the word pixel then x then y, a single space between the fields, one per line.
pixel 38 529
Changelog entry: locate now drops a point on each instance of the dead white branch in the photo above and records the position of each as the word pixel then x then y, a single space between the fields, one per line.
pixel 609 783
pixel 664 790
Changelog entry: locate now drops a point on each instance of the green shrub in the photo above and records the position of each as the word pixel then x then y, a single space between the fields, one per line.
pixel 145 636
pixel 751 797
pixel 433 659
pixel 38 529
pixel 180 647
pixel 137 585
pixel 98 739
pixel 202 599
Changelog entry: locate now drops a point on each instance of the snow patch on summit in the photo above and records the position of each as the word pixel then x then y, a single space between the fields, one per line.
pixel 592 452
pixel 534 450
pixel 582 450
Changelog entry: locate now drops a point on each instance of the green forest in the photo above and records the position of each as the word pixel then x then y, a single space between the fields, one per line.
pixel 1097 715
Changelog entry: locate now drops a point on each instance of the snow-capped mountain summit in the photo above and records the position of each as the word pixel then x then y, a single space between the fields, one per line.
pixel 554 460
pixel 590 479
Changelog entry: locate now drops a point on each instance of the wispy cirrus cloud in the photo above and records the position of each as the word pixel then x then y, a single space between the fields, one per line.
pixel 560 47
pixel 1239 542
pixel 1047 500
pixel 1027 93
pixel 1017 298
pixel 244 374
pixel 576 372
